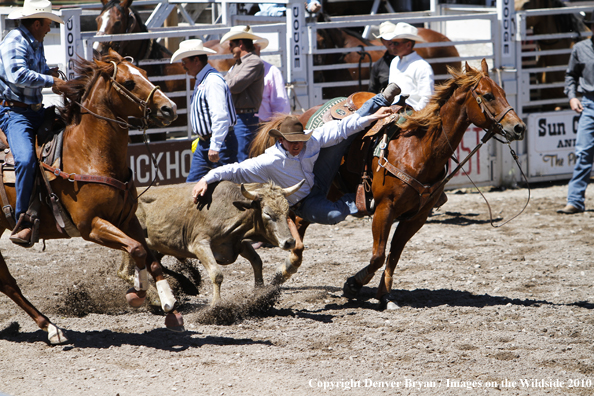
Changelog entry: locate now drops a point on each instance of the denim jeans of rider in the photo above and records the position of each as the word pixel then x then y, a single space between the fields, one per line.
pixel 584 152
pixel 316 207
pixel 20 126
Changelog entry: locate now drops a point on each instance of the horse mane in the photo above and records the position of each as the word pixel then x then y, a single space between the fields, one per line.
pixel 76 90
pixel 429 117
pixel 263 140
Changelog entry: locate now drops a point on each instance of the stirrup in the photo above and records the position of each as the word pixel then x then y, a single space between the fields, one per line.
pixel 25 221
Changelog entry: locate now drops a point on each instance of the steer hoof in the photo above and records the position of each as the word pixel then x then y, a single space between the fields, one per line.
pixel 135 298
pixel 351 288
pixel 174 321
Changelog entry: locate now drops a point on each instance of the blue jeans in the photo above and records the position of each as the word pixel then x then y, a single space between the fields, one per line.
pixel 316 208
pixel 245 130
pixel 20 126
pixel 200 163
pixel 584 151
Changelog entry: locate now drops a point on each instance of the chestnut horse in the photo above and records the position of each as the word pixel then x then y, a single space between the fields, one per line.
pixel 95 186
pixel 408 181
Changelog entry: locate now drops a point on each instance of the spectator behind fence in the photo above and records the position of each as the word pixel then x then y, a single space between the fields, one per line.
pixel 212 114
pixel 274 97
pixel 278 10
pixel 246 82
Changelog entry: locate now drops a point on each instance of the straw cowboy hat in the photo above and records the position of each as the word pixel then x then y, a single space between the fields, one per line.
pixel 35 9
pixel 291 130
pixel 189 48
pixel 241 32
pixel 404 31
pixel 385 29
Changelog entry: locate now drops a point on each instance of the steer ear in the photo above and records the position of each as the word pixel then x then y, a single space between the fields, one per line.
pixel 247 194
pixel 291 190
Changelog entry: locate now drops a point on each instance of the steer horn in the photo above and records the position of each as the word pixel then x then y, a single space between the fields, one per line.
pixel 248 194
pixel 291 190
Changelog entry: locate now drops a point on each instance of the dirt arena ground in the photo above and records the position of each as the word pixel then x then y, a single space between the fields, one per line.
pixel 495 311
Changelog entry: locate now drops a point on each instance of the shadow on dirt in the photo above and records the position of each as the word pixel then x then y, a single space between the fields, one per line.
pixel 457 218
pixel 424 298
pixel 162 339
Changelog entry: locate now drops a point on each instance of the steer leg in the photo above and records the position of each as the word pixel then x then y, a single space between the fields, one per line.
pixel 297 226
pixel 248 252
pixel 202 251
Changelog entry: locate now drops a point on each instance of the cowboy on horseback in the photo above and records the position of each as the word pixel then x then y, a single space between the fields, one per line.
pixel 23 74
pixel 313 155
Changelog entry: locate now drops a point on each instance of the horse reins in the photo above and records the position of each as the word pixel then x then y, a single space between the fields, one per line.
pixel 495 128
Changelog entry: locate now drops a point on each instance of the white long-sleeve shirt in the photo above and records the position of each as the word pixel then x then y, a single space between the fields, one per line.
pixel 284 169
pixel 415 77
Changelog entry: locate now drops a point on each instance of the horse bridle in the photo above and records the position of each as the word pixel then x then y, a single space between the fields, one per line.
pixel 488 111
pixel 143 105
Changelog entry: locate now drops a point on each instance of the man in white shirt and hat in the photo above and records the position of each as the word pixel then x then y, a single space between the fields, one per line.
pixel 380 71
pixel 212 114
pixel 412 73
pixel 23 74
pixel 246 82
pixel 274 97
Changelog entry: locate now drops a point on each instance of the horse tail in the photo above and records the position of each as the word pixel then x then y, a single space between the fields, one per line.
pixel 263 140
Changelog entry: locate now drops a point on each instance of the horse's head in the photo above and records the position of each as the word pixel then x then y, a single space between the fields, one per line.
pixel 132 94
pixel 118 18
pixel 488 108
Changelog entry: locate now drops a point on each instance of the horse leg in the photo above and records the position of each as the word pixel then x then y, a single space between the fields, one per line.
pixel 405 230
pixel 381 225
pixel 248 252
pixel 297 226
pixel 9 287
pixel 126 272
pixel 106 234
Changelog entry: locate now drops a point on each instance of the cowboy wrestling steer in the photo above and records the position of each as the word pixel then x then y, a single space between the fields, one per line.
pixel 220 227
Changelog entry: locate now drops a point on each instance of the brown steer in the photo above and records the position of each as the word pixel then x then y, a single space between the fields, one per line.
pixel 220 227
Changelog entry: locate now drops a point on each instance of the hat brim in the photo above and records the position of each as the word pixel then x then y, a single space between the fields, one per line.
pixel 180 53
pixel 293 137
pixel 236 35
pixel 262 43
pixel 19 14
pixel 404 36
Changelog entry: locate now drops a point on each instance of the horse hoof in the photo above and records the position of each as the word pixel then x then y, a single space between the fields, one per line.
pixel 135 298
pixel 351 288
pixel 387 304
pixel 174 322
pixel 55 336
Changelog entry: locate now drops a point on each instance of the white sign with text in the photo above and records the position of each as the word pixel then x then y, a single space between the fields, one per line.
pixel 551 143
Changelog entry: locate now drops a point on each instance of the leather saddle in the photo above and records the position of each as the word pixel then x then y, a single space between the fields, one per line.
pixel 361 150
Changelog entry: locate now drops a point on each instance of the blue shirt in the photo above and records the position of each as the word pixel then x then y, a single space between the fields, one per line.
pixel 211 109
pixel 284 169
pixel 23 68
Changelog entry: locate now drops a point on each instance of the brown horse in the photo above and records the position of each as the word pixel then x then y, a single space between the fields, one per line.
pixel 344 38
pixel 95 186
pixel 407 181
